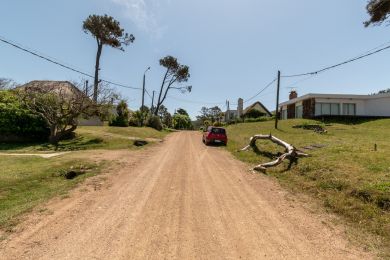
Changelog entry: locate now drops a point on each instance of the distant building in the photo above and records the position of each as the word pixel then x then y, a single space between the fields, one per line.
pixel 240 112
pixel 259 107
pixel 319 105
pixel 68 88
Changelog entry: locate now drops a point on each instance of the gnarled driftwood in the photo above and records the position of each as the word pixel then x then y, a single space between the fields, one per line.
pixel 291 152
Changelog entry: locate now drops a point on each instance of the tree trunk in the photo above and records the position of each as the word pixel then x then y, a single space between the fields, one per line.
pixel 53 138
pixel 56 136
pixel 291 152
pixel 97 65
pixel 159 95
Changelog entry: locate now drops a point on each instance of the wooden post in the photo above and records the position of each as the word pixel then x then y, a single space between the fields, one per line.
pixel 277 102
pixel 143 100
pixel 152 107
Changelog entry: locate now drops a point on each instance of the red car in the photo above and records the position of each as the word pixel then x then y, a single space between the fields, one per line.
pixel 215 135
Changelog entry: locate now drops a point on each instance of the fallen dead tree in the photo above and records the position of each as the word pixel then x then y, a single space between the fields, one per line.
pixel 291 153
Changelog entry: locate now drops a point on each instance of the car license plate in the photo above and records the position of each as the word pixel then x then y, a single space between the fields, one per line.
pixel 218 141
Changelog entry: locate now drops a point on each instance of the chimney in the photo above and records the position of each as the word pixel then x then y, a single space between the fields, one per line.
pixel 293 94
pixel 240 107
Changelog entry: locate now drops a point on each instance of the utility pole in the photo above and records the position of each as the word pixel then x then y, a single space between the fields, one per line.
pixel 86 88
pixel 143 97
pixel 151 108
pixel 277 102
pixel 228 111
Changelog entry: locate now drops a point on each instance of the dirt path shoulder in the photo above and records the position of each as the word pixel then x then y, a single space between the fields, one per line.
pixel 177 200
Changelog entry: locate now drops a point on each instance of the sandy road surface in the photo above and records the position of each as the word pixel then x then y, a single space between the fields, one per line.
pixel 185 201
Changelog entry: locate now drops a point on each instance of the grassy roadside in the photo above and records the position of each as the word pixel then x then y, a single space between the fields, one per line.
pixel 28 181
pixel 346 175
pixel 91 137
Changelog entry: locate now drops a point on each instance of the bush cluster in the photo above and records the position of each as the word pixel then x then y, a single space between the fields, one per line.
pixel 154 122
pixel 17 123
pixel 259 119
pixel 122 117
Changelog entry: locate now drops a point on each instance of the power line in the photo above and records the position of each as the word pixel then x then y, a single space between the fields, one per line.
pixel 261 91
pixel 300 81
pixel 338 64
pixel 51 60
pixel 147 92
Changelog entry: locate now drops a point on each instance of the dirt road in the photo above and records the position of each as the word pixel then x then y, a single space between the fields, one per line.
pixel 185 201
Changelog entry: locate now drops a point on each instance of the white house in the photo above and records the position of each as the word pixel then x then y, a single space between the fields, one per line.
pixel 241 112
pixel 317 105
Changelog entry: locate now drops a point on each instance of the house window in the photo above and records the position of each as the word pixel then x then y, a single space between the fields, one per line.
pixel 325 109
pixel 349 109
pixel 299 111
pixel 335 109
pixel 331 109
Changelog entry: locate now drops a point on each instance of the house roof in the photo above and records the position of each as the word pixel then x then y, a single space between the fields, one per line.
pixel 334 96
pixel 254 105
pixel 52 86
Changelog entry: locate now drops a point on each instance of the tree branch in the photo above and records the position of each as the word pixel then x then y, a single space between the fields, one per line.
pixel 291 152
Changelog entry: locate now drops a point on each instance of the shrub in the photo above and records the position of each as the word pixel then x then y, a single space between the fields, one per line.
pixel 182 122
pixel 136 119
pixel 17 123
pixel 122 118
pixel 154 122
pixel 207 123
pixel 218 124
pixel 259 119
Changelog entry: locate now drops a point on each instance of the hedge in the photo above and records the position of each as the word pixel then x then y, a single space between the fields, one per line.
pixel 17 123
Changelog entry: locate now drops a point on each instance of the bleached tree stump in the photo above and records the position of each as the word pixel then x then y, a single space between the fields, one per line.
pixel 291 153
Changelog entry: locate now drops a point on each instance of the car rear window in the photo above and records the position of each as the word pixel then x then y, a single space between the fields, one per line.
pixel 218 131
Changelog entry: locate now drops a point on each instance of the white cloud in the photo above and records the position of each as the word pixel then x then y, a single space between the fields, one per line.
pixel 141 13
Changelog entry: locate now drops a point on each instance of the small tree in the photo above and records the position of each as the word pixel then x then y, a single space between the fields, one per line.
pixel 175 73
pixel 136 119
pixel 181 111
pixel 165 116
pixel 107 31
pixel 122 118
pixel 379 11
pixel 154 122
pixel 60 106
pixel 204 114
pixel 206 124
pixel 182 122
pixel 214 114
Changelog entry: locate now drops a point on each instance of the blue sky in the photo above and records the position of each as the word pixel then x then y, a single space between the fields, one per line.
pixel 233 47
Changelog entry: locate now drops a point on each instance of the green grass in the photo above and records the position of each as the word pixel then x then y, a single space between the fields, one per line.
pixel 28 181
pixel 346 175
pixel 90 137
